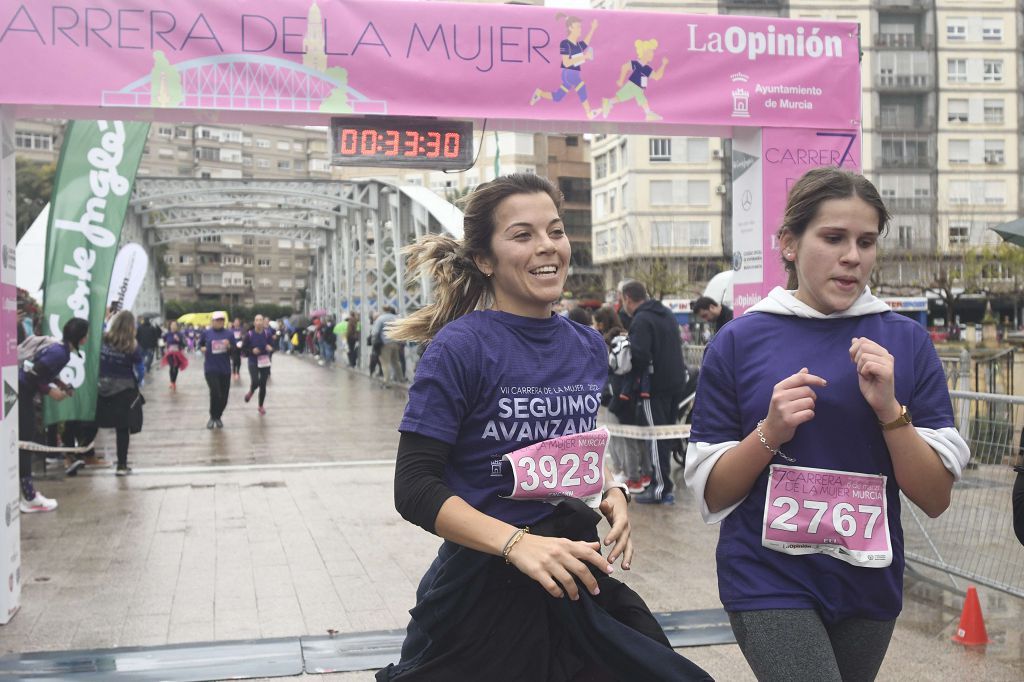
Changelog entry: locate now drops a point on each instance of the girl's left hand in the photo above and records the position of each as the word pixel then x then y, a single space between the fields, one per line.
pixel 614 509
pixel 875 372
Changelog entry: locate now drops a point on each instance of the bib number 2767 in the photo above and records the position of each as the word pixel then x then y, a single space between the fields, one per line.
pixel 842 514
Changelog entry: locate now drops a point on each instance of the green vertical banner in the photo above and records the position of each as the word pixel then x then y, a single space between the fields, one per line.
pixel 91 190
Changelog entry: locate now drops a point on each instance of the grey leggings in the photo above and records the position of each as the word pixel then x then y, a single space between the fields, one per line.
pixel 795 645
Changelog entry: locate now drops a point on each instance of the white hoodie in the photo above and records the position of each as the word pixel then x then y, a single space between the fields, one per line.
pixel 701 458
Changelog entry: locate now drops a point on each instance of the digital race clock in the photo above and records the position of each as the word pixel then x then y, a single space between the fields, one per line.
pixel 430 144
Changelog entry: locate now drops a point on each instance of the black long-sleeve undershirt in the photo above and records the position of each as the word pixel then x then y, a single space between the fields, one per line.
pixel 420 490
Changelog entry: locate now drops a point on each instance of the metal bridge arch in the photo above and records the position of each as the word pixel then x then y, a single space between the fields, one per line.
pixel 356 229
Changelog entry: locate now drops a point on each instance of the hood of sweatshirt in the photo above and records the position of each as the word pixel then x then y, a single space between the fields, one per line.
pixel 782 302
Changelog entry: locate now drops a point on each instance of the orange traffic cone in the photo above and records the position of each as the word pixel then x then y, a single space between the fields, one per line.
pixel 971 631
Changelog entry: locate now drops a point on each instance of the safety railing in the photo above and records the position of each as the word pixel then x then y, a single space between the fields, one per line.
pixel 974 538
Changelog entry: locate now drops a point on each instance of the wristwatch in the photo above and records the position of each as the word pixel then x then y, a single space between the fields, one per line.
pixel 902 420
pixel 620 486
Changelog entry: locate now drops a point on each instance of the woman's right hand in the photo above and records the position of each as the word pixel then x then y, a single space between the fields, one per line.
pixel 555 562
pixel 56 394
pixel 792 404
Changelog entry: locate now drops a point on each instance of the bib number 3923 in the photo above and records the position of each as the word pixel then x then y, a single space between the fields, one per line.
pixel 818 511
pixel 567 466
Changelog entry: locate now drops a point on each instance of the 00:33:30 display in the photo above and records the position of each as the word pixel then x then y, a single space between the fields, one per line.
pixel 431 144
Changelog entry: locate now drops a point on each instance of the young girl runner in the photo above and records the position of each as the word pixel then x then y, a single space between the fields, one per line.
pixel 519 590
pixel 174 342
pixel 814 411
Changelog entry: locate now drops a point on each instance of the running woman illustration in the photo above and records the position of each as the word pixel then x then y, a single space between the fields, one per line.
pixel 574 53
pixel 635 88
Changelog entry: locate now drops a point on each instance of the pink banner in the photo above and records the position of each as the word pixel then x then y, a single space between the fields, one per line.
pixel 299 61
pixel 785 155
pixel 9 323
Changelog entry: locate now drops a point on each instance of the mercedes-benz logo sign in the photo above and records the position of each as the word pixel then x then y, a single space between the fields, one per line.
pixel 747 200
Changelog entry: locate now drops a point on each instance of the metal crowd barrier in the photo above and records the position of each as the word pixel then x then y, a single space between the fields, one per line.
pixel 974 538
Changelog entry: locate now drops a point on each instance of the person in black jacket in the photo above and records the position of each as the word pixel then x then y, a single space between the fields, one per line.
pixel 657 354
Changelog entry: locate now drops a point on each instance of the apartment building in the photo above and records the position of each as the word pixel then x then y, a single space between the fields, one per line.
pixel 228 269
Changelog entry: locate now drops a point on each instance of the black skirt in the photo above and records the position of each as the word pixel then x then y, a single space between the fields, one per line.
pixel 122 410
pixel 478 618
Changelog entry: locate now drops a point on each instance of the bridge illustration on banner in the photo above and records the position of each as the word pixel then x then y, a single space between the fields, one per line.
pixel 244 82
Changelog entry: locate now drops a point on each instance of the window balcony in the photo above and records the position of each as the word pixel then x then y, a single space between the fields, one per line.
pixel 915 5
pixel 903 41
pixel 904 82
pixel 909 204
pixel 904 123
pixel 908 161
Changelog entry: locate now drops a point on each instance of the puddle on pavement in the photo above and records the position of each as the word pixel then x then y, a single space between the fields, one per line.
pixel 932 606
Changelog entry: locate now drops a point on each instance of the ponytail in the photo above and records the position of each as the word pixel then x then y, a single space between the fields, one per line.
pixel 459 287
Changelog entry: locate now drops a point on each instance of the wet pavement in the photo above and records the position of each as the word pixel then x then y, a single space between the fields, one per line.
pixel 283 525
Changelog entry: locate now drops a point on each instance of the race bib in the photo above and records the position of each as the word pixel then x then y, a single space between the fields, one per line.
pixel 567 466
pixel 173 348
pixel 818 511
pixel 219 346
pixel 643 81
pixel 263 360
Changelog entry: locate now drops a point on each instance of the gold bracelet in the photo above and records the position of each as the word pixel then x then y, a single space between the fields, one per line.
pixel 516 537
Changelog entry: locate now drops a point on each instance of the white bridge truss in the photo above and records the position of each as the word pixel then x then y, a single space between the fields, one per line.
pixel 356 228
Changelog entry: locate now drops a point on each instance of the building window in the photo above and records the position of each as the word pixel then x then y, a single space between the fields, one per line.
pixel 284 164
pixel 992 29
pixel 572 141
pixel 262 143
pixel 661 148
pixel 661 193
pixel 697 150
pixel 959 192
pixel 284 263
pixel 248 241
pixel 262 163
pixel 600 166
pixel 995 152
pixel 247 282
pixel 210 239
pixel 263 243
pixel 959 151
pixel 188 280
pixel 165 131
pixel 679 233
pixel 283 146
pixel 263 262
pixel 956 29
pixel 906 236
pixel 992 70
pixel 959 233
pixel 33 141
pixel 184 259
pixel 181 132
pixel 698 192
pixel 958 109
pixel 613 161
pixel 994 111
pixel 956 70
pixel 266 282
pixel 611 201
pixel 995 192
pixel 300 284
pixel 210 279
pixel 284 284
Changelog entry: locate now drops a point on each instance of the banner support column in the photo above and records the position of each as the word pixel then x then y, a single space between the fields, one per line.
pixel 10 493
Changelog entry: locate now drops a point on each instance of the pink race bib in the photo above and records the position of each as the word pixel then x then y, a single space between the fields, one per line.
pixel 219 346
pixel 263 360
pixel 173 348
pixel 567 466
pixel 819 511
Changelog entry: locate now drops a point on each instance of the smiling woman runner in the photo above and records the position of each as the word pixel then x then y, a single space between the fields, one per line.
pixel 519 590
pixel 802 442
